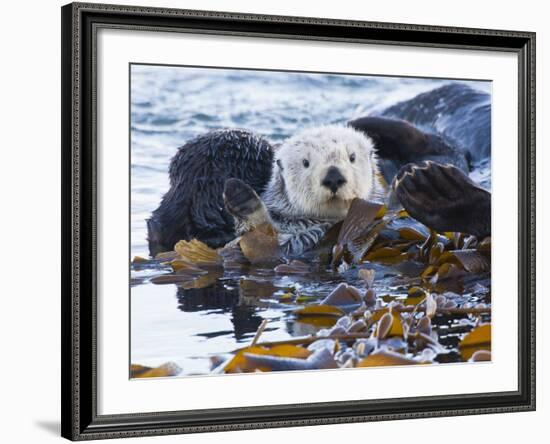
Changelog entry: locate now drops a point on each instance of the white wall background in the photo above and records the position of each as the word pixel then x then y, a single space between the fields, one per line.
pixel 30 219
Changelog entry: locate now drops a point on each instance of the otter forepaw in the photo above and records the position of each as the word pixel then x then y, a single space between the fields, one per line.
pixel 240 199
pixel 244 204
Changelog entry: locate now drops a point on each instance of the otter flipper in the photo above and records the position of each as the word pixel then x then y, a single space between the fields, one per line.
pixel 443 198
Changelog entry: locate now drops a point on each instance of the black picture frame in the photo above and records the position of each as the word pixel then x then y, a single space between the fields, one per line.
pixel 80 22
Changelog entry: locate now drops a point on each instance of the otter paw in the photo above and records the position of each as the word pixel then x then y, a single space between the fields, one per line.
pixel 240 199
pixel 244 204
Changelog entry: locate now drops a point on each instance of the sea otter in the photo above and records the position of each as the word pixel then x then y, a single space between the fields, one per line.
pixel 225 181
pixel 316 175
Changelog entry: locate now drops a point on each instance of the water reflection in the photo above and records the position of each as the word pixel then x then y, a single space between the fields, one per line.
pixel 223 299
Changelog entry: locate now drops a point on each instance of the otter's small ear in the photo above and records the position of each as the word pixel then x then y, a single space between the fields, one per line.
pixel 280 164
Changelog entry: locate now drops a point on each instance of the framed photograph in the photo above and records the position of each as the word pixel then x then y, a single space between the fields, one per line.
pixel 276 221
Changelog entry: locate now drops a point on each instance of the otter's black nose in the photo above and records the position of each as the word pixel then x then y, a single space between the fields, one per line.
pixel 334 179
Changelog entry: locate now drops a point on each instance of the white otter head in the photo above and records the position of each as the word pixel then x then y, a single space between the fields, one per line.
pixel 323 169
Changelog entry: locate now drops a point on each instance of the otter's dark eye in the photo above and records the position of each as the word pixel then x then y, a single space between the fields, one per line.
pixel 352 158
pixel 306 163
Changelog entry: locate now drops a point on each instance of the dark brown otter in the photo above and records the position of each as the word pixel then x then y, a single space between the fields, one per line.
pixel 399 143
pixel 193 207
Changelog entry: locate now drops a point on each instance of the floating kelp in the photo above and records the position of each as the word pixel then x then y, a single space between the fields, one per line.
pixel 319 310
pixel 472 261
pixel 198 253
pixel 311 323
pixel 447 271
pixel 201 281
pixel 361 245
pixel 166 256
pixel 344 295
pixel 141 371
pixel 411 234
pixel 357 234
pixel 400 327
pixel 319 360
pixel 485 245
pixel 478 339
pixel 261 244
pixel 240 362
pixel 294 267
pixel 385 358
pixel 389 325
pixel 183 267
pixel 481 356
pixel 139 260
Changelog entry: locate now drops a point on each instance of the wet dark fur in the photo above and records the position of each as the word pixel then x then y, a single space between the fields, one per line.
pixel 193 206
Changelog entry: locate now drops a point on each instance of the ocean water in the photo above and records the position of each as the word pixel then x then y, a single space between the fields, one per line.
pixel 170 105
